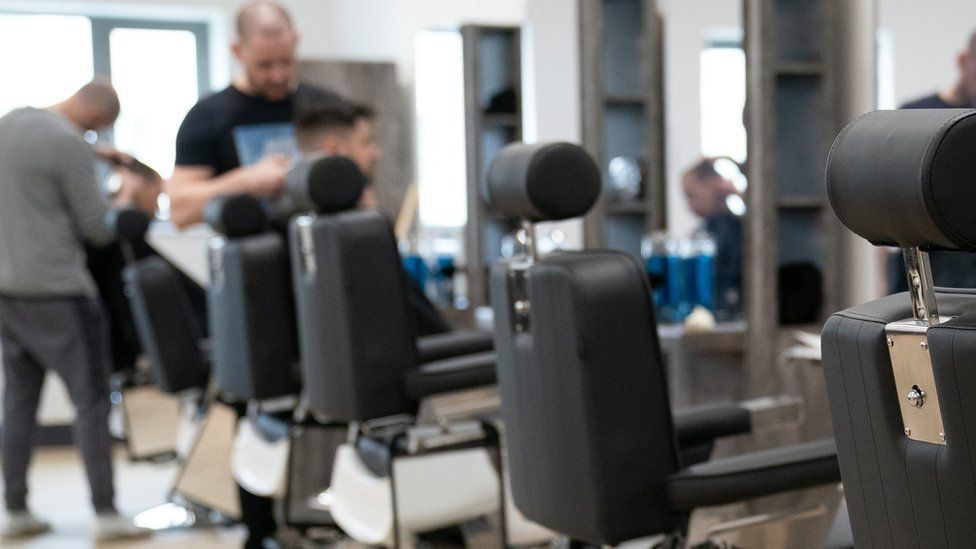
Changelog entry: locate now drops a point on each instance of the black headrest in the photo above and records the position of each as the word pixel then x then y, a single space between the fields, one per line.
pixel 329 183
pixel 543 182
pixel 236 215
pixel 129 223
pixel 905 178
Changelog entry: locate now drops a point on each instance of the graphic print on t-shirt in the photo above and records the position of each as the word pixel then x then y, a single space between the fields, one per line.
pixel 256 141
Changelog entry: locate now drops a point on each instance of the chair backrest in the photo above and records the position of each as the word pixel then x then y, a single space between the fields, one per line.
pixel 251 308
pixel 351 296
pixel 580 371
pixel 167 310
pixel 900 382
pixel 902 492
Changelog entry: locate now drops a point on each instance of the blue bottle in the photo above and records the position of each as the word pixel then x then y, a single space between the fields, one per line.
pixel 705 270
pixel 444 270
pixel 654 249
pixel 416 267
pixel 680 265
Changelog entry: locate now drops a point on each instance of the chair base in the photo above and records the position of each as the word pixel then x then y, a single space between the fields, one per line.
pixel 430 491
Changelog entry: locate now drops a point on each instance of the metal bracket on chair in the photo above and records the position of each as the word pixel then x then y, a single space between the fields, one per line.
pixel 216 260
pixel 304 224
pixel 520 304
pixel 908 348
pixel 921 287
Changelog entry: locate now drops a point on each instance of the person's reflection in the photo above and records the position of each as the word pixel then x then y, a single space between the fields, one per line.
pixel 709 195
pixel 949 269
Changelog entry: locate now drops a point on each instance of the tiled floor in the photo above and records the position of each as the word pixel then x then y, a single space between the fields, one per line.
pixel 59 494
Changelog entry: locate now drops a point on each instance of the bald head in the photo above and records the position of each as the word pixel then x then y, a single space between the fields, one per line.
pixel 265 47
pixel 94 106
pixel 101 96
pixel 263 18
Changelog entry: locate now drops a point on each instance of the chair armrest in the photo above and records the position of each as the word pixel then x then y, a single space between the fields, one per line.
pixel 703 424
pixel 452 374
pixel 454 343
pixel 753 475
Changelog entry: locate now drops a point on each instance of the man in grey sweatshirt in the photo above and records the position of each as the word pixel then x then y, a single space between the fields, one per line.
pixel 50 204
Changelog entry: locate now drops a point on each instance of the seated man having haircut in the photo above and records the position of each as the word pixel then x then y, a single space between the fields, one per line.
pixel 346 129
pixel 340 129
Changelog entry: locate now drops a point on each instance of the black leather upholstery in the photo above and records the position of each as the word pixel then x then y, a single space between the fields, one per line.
pixel 703 424
pixel 584 390
pixel 905 178
pixel 451 374
pixel 753 475
pixel 356 343
pixel 531 181
pixel 130 224
pixel 168 324
pixel 901 492
pixel 235 215
pixel 454 343
pixel 326 184
pixel 252 319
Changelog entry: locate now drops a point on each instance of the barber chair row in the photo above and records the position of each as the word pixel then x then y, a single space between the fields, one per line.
pixel 358 363
pixel 594 451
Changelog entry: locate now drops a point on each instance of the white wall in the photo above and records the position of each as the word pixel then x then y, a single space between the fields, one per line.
pixel 926 36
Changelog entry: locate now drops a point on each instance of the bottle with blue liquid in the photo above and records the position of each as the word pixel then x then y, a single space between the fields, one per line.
pixel 705 270
pixel 444 270
pixel 654 250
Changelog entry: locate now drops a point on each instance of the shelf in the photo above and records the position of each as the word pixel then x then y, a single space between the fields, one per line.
pixel 724 338
pixel 615 99
pixel 632 207
pixel 800 203
pixel 798 68
pixel 500 120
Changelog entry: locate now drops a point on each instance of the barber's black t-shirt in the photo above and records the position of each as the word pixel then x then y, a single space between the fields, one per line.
pixel 928 102
pixel 229 128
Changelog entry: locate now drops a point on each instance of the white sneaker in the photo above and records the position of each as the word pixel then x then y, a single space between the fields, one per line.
pixel 22 524
pixel 113 526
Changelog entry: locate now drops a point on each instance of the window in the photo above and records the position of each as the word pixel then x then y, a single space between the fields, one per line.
pixel 159 69
pixel 723 97
pixel 43 71
pixel 441 168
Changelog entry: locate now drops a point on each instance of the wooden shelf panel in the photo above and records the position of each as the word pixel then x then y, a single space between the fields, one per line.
pixel 624 99
pixel 800 203
pixel 627 207
pixel 502 120
pixel 797 68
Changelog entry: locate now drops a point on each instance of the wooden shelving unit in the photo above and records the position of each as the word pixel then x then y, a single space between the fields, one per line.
pixel 621 67
pixel 492 79
pixel 792 119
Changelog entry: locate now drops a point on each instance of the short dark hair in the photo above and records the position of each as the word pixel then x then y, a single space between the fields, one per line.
pixel 703 169
pixel 315 119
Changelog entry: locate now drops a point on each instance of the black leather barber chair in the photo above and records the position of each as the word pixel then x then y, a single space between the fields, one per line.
pixel 591 438
pixel 168 311
pixel 900 377
pixel 361 365
pixel 249 304
pixel 169 314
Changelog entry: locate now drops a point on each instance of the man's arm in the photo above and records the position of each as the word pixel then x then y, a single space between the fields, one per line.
pixel 191 187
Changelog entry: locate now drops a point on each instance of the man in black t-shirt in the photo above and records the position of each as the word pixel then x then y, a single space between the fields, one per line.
pixel 951 269
pixel 241 139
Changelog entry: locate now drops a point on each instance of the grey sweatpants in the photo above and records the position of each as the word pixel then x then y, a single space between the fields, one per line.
pixel 67 336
